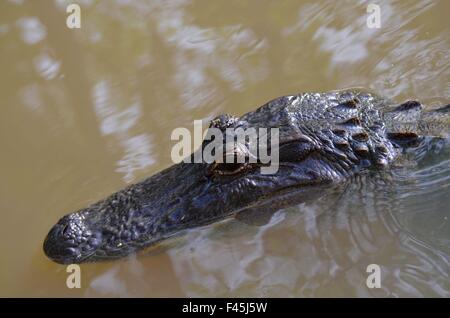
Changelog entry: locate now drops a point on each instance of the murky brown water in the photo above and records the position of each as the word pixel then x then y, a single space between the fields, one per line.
pixel 85 112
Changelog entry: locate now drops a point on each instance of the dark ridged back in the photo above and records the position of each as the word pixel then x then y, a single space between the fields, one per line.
pixel 346 125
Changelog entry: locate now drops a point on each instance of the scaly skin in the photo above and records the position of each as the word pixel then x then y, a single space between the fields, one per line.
pixel 325 138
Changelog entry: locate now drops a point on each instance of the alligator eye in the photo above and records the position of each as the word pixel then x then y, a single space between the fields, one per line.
pixel 228 168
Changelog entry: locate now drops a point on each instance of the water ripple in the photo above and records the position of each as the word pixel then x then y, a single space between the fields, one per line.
pixel 311 250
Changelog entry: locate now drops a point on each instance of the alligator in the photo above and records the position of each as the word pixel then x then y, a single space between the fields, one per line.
pixel 324 139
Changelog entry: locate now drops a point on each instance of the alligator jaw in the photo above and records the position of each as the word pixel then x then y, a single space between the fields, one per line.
pixel 179 198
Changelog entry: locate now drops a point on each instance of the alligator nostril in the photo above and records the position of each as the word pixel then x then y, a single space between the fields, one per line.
pixel 65 229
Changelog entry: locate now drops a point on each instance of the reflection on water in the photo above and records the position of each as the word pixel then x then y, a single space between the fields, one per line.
pixel 112 121
pixel 32 30
pixel 85 112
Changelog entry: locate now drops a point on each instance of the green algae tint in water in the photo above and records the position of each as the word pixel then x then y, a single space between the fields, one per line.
pixel 85 112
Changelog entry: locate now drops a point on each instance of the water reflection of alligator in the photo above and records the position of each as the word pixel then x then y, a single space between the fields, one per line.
pixel 325 139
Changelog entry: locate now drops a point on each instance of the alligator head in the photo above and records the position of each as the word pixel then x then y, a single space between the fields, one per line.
pixel 323 139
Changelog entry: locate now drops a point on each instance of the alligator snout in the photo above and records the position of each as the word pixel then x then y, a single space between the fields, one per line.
pixel 71 240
